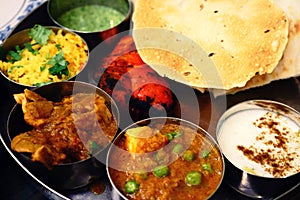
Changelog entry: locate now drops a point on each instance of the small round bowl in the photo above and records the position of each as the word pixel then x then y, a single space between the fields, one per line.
pixel 68 175
pixel 34 68
pixel 157 158
pixel 95 21
pixel 259 141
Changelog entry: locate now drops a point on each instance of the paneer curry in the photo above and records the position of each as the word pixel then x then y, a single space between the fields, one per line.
pixel 165 161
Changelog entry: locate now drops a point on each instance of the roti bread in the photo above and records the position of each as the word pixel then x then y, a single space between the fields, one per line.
pixel 289 65
pixel 210 43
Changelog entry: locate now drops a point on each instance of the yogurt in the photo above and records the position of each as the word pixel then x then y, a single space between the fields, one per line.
pixel 261 141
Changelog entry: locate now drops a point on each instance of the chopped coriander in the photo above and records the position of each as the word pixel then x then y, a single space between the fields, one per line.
pixel 58 47
pixel 14 56
pixel 18 49
pixel 30 49
pixel 40 34
pixel 42 68
pixel 12 68
pixel 59 65
pixel 47 56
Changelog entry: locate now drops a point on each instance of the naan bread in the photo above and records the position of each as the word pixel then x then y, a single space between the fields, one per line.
pixel 210 43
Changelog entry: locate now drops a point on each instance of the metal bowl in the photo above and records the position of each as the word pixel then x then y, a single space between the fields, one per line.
pixel 258 139
pixel 57 8
pixel 20 38
pixel 62 176
pixel 127 166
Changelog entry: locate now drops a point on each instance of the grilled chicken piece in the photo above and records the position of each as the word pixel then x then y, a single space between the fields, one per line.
pixel 144 140
pixel 36 109
pixel 134 85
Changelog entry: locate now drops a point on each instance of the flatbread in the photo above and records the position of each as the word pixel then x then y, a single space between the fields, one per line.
pixel 289 65
pixel 237 39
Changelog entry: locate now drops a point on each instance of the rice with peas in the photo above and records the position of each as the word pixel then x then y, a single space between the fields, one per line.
pixel 33 69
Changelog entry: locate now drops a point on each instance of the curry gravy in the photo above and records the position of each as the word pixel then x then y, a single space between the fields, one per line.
pixel 125 166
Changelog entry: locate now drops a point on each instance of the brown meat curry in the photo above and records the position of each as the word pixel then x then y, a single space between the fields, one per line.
pixel 66 131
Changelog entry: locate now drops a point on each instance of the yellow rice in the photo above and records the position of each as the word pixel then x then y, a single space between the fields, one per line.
pixel 73 47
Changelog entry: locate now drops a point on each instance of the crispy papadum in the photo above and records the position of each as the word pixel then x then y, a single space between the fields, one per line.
pixel 237 39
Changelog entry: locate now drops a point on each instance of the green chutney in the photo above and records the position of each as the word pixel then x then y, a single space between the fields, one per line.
pixel 91 18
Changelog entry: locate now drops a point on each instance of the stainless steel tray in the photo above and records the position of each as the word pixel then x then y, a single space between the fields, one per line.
pixel 16 173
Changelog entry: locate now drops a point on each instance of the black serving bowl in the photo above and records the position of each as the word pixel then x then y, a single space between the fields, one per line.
pixel 259 141
pixel 22 37
pixel 70 175
pixel 124 165
pixel 57 8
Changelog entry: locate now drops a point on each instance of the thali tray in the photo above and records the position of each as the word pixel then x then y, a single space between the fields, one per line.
pixel 285 91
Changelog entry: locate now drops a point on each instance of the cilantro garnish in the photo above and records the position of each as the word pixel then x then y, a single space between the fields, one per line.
pixel 12 68
pixel 58 47
pixel 59 65
pixel 42 68
pixel 14 56
pixel 47 56
pixel 40 34
pixel 30 49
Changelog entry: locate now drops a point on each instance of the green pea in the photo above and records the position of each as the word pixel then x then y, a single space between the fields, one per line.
pixel 188 155
pixel 207 167
pixel 176 134
pixel 161 171
pixel 131 187
pixel 193 178
pixel 204 153
pixel 169 136
pixel 177 148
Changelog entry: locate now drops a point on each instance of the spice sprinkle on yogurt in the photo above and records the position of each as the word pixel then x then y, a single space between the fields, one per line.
pixel 261 142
